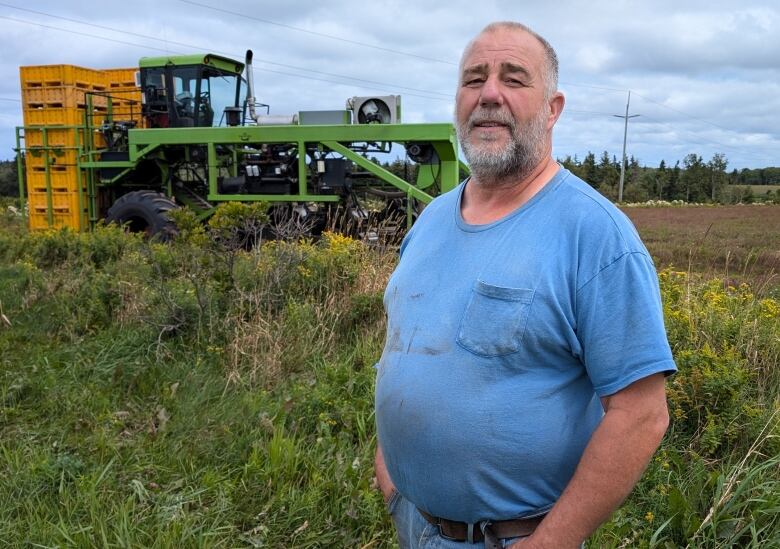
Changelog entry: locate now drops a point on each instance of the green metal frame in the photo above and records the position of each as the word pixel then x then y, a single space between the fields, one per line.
pixel 343 140
pixel 152 143
pixel 20 170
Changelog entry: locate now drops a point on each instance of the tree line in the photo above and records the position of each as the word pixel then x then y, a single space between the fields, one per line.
pixel 692 180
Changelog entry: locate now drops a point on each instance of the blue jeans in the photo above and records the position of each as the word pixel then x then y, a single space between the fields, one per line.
pixel 414 532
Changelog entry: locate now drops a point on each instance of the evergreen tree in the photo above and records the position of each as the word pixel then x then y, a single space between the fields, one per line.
pixel 694 178
pixel 609 176
pixel 572 165
pixel 674 191
pixel 590 172
pixel 662 177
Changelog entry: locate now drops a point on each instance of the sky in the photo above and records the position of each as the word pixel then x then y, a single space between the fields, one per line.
pixel 704 76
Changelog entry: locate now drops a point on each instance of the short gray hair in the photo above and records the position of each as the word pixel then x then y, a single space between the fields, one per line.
pixel 551 58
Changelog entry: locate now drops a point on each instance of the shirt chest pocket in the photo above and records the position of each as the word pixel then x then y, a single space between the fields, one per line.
pixel 494 321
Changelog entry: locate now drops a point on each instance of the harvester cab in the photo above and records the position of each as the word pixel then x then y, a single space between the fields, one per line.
pixel 191 91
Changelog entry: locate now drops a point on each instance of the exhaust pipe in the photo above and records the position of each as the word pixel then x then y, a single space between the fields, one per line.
pixel 250 86
pixel 265 120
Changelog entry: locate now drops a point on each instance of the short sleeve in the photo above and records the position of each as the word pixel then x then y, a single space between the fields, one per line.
pixel 620 324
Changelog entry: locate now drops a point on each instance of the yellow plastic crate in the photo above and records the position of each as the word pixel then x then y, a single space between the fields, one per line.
pixel 40 76
pixel 42 116
pixel 125 98
pixel 126 103
pixel 60 96
pixel 61 179
pixel 62 202
pixel 120 78
pixel 65 210
pixel 125 94
pixel 74 220
pixel 36 158
pixel 57 137
pixel 46 116
pixel 60 137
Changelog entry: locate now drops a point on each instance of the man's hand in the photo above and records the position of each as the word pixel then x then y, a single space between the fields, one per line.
pixel 634 423
pixel 386 485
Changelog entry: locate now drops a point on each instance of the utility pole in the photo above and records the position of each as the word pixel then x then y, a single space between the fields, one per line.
pixel 625 135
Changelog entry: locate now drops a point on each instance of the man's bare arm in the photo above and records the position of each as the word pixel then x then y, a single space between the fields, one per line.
pixel 633 425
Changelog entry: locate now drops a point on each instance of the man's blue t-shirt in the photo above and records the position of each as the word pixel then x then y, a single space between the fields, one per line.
pixel 500 340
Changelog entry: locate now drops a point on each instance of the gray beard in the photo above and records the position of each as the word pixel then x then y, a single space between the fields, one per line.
pixel 515 160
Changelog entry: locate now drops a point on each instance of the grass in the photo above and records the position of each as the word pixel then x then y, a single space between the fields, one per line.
pixel 197 395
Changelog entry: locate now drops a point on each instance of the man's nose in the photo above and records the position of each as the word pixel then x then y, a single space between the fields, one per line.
pixel 490 93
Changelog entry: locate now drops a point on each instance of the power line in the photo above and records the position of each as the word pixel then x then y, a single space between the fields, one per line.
pixel 698 139
pixel 575 111
pixel 81 33
pixel 315 33
pixel 683 113
pixel 167 51
pixel 196 47
pixel 80 22
pixel 441 99
pixel 693 137
pixel 605 88
pixel 10 99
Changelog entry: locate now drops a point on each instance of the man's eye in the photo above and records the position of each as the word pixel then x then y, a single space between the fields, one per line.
pixel 473 81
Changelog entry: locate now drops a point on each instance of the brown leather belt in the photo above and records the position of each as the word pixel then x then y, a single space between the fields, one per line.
pixel 501 529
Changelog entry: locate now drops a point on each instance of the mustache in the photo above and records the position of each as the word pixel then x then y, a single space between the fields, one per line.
pixel 481 115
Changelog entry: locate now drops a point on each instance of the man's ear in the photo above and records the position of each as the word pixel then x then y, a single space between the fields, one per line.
pixel 556 103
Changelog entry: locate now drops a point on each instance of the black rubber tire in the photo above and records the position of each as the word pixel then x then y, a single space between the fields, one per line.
pixel 146 212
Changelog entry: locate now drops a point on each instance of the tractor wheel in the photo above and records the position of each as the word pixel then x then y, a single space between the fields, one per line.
pixel 144 212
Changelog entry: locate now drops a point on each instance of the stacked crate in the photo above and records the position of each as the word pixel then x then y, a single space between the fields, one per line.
pixel 123 95
pixel 55 100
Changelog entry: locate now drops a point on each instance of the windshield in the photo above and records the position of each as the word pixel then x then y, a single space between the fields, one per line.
pixel 222 87
pixel 205 101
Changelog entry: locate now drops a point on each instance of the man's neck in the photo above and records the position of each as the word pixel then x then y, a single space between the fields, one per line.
pixel 484 203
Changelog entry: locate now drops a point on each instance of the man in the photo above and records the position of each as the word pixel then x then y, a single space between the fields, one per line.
pixel 520 394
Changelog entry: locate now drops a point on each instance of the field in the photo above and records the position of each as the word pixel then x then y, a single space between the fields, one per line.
pixel 761 190
pixel 197 395
pixel 736 243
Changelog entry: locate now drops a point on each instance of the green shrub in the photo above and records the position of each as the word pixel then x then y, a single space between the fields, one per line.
pixel 709 398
